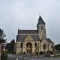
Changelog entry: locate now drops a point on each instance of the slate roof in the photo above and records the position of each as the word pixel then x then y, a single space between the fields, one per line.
pixel 40 20
pixel 49 40
pixel 27 32
pixel 35 37
pixel 22 37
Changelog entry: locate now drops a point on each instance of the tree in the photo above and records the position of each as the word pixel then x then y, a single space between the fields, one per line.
pixel 3 52
pixel 2 35
pixel 10 46
pixel 57 47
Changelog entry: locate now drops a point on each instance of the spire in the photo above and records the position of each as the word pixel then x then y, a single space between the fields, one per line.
pixel 40 20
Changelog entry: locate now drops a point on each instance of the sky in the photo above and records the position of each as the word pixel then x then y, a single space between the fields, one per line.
pixel 24 14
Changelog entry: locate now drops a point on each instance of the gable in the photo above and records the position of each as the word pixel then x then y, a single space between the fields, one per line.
pixel 28 38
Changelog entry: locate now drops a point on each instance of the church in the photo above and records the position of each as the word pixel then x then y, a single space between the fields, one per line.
pixel 32 41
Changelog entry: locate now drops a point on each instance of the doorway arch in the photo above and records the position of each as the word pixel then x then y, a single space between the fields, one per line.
pixel 29 48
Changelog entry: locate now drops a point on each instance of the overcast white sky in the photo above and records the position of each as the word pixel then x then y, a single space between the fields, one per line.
pixel 24 14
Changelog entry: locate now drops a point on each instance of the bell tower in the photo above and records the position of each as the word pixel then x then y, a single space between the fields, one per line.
pixel 41 28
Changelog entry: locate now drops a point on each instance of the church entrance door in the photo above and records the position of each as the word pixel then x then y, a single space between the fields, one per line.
pixel 29 48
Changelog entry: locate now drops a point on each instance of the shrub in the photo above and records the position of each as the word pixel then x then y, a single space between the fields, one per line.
pixel 36 53
pixel 41 53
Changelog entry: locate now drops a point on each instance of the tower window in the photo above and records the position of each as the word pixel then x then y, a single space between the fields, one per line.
pixel 41 27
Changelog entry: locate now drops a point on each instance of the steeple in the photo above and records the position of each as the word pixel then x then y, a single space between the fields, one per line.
pixel 41 28
pixel 40 20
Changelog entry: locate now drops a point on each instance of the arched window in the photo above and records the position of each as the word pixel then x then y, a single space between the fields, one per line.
pixel 21 45
pixel 41 27
pixel 35 44
pixel 44 46
pixel 29 45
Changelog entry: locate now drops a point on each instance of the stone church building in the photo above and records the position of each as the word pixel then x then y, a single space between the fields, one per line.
pixel 31 41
